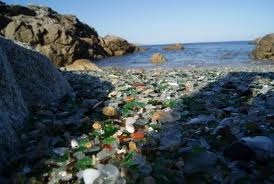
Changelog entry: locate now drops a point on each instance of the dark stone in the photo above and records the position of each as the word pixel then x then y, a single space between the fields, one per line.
pixel 238 151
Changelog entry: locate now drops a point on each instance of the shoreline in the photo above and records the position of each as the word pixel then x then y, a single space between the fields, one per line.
pixel 247 67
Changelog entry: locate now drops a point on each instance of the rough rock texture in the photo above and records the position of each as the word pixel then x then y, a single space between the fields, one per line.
pixel 63 38
pixel 265 48
pixel 82 64
pixel 27 78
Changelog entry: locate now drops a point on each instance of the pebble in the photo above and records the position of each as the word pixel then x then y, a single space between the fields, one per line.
pixel 129 124
pixel 110 111
pixel 90 175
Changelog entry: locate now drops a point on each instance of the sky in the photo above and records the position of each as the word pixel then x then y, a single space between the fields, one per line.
pixel 170 21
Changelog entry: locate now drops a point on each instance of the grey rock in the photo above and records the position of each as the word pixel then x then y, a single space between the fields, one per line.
pixel 27 79
pixel 201 119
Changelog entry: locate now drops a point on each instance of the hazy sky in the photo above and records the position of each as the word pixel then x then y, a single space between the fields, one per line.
pixel 168 21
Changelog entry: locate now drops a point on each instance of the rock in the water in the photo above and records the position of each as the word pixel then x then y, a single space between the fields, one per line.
pixel 177 46
pixel 82 64
pixel 265 48
pixel 27 78
pixel 62 38
pixel 157 58
pixel 90 175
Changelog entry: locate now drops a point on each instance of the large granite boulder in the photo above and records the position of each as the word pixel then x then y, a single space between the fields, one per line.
pixel 62 38
pixel 27 79
pixel 265 48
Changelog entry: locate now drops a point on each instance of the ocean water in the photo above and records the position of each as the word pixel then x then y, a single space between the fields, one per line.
pixel 194 55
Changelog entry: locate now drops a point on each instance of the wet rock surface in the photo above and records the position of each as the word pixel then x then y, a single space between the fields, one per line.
pixel 155 126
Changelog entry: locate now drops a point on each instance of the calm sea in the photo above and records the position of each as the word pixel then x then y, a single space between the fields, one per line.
pixel 194 54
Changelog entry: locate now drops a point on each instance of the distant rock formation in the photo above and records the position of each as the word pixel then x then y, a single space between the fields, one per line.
pixel 177 46
pixel 265 48
pixel 62 38
pixel 27 79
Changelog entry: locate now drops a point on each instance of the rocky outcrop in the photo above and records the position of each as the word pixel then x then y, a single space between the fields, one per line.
pixel 265 48
pixel 176 46
pixel 62 38
pixel 116 46
pixel 158 58
pixel 27 79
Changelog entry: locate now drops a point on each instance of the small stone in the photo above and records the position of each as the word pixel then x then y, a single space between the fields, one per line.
pixel 132 146
pixel 201 119
pixel 165 117
pixel 138 135
pixel 189 87
pixel 109 170
pixel 129 124
pixel 74 144
pixel 90 175
pixel 97 125
pixel 110 111
pixel 65 176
